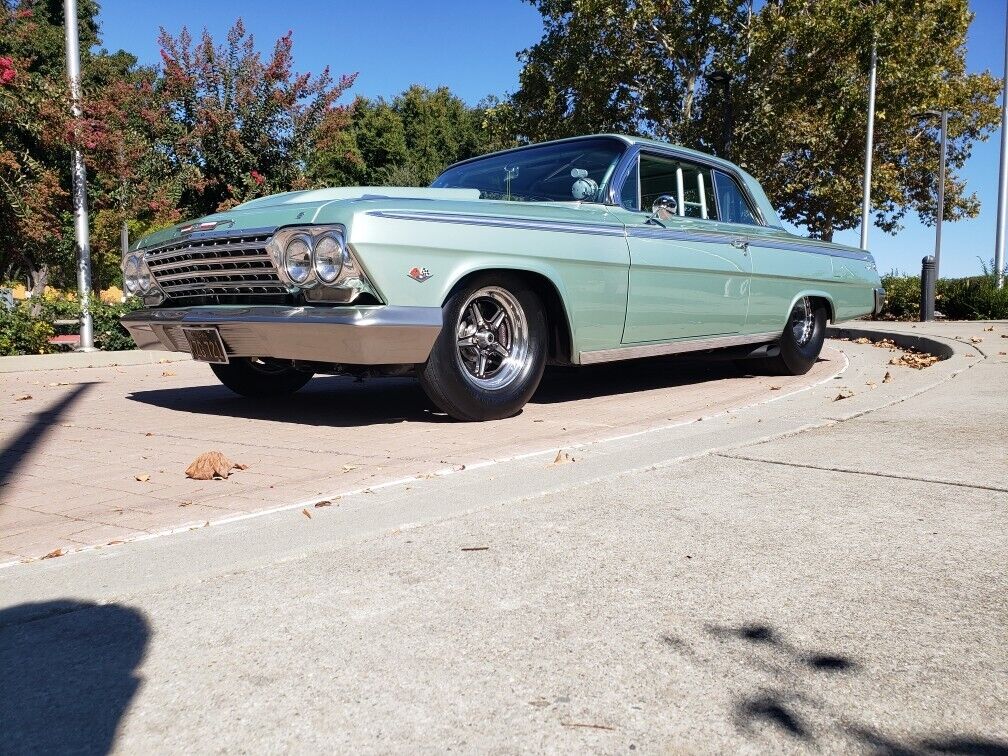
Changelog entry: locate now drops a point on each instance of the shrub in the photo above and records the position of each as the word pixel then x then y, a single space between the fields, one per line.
pixel 20 333
pixel 902 301
pixel 109 333
pixel 975 298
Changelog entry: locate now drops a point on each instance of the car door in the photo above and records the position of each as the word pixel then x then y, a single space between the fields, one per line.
pixel 689 274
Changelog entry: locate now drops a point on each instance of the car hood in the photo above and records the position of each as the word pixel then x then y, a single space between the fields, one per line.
pixel 296 207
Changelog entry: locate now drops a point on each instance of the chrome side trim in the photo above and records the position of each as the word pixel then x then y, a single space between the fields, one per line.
pixel 366 335
pixel 815 249
pixel 494 221
pixel 675 347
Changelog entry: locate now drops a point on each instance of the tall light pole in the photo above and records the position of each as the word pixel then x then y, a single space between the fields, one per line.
pixel 869 139
pixel 80 212
pixel 940 212
pixel 999 244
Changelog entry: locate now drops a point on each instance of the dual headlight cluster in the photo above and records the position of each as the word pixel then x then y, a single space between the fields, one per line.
pixel 136 276
pixel 311 256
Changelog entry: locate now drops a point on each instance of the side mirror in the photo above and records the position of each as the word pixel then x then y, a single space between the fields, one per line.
pixel 664 207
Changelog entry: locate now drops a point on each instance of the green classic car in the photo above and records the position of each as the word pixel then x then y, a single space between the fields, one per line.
pixel 571 252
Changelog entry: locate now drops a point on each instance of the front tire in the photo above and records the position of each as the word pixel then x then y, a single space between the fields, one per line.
pixel 260 378
pixel 802 340
pixel 490 355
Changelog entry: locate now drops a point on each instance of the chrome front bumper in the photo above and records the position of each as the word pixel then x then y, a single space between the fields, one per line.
pixel 370 335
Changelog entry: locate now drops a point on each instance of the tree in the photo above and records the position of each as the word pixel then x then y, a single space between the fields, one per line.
pixel 633 66
pixel 242 127
pixel 409 140
pixel 794 93
pixel 806 67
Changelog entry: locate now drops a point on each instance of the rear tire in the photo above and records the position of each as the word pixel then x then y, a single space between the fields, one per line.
pixel 490 355
pixel 260 378
pixel 802 340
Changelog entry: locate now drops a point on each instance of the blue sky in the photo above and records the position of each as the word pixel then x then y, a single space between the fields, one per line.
pixel 470 47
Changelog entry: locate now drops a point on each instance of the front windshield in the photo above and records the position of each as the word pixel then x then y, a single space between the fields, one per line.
pixel 565 172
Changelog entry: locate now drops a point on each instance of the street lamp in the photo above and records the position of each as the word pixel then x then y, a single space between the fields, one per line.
pixel 723 79
pixel 940 211
pixel 869 140
pixel 80 212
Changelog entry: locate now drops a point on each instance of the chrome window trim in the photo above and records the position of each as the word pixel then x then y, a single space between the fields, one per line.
pixel 753 210
pixel 632 154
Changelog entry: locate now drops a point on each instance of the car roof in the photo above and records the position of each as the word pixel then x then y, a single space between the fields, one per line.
pixel 625 138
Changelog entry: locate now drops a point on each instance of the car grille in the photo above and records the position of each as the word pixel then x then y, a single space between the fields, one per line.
pixel 223 270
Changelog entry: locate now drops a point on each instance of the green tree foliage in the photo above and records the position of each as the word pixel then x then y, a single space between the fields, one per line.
pixel 409 140
pixel 796 95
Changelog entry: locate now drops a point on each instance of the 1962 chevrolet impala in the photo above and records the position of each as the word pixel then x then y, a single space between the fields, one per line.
pixel 577 251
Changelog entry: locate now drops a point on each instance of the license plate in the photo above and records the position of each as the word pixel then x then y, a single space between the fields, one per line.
pixel 206 345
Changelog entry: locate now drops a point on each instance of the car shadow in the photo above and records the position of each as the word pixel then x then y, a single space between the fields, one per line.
pixel 342 401
pixel 70 672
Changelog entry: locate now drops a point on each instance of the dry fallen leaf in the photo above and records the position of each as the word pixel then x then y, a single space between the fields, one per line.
pixel 53 554
pixel 211 465
pixel 167 373
pixel 845 393
pixel 320 504
pixel 916 360
pixel 142 477
pixel 306 513
pixel 871 384
pixel 24 397
pixel 775 388
pixel 148 434
pixel 862 340
pixel 348 468
pixel 562 458
pixel 185 503
pixel 989 329
pixel 976 339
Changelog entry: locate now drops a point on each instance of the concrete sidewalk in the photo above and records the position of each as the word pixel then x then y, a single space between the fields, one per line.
pixel 803 575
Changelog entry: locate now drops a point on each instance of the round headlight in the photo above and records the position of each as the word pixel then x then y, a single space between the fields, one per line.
pixel 131 274
pixel 143 277
pixel 297 259
pixel 328 258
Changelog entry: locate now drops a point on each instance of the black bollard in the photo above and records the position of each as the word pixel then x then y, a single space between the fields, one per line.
pixel 927 301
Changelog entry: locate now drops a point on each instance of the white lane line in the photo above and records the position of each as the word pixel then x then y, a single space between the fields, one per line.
pixel 446 471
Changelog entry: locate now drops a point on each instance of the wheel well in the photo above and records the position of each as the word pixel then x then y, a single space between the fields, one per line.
pixel 560 341
pixel 827 304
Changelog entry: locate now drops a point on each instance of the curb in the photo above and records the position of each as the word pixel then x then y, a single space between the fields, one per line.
pixel 75 360
pixel 932 345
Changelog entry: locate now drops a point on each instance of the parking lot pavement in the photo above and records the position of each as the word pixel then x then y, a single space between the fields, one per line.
pixel 802 575
pixel 97 457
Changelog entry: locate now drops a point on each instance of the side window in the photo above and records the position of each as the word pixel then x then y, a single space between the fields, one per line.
pixel 689 183
pixel 732 201
pixel 630 193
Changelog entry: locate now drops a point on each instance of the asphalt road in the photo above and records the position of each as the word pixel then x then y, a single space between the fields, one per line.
pixel 805 575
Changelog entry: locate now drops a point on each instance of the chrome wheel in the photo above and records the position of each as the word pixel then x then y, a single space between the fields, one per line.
pixel 492 338
pixel 802 321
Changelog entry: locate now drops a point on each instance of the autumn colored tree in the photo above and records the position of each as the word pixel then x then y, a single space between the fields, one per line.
pixel 240 126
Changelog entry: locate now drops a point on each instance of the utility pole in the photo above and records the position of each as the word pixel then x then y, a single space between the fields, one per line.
pixel 80 212
pixel 999 244
pixel 869 140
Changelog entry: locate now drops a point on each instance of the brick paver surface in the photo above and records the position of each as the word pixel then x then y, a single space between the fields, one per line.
pixel 93 457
